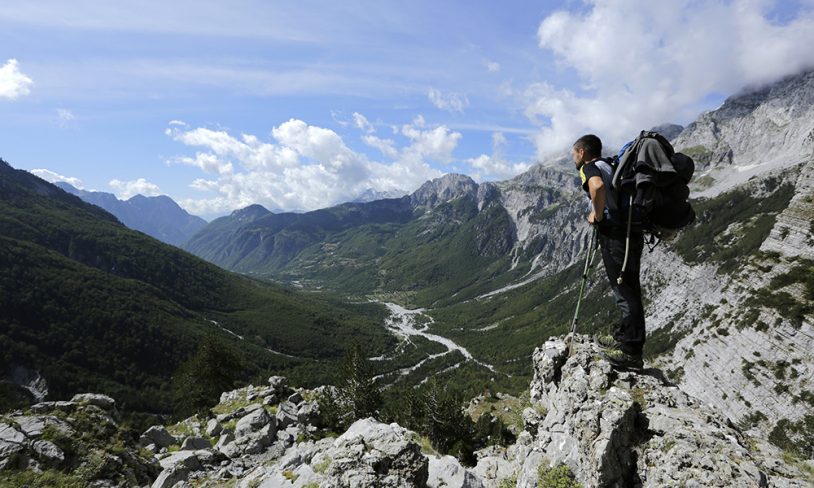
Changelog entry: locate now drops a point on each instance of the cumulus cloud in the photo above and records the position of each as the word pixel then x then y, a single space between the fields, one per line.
pixel 386 146
pixel 53 177
pixel 641 64
pixel 140 186
pixel 492 66
pixel 305 167
pixel 433 143
pixel 13 82
pixel 450 101
pixel 495 167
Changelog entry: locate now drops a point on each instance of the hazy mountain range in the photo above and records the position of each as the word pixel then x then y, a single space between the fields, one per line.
pixel 158 216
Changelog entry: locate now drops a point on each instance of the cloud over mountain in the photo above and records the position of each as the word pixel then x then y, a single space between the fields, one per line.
pixel 641 64
pixel 306 167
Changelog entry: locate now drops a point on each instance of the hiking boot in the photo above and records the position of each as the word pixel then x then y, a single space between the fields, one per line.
pixel 621 359
pixel 606 341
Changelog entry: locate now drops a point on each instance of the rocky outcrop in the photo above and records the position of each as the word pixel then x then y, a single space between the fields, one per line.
pixel 81 439
pixel 623 428
pixel 604 427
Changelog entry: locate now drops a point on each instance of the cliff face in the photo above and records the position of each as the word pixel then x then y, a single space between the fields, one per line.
pixel 753 132
pixel 629 428
pixel 586 422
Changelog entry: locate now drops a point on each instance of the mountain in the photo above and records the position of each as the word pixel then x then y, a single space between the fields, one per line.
pixel 578 423
pixel 370 195
pixel 159 216
pixel 90 305
pixel 494 266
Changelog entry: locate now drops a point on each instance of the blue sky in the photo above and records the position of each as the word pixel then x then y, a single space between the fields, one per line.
pixel 299 105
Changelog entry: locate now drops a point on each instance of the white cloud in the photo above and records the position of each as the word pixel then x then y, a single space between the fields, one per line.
pixel 498 140
pixel 450 101
pixel 494 167
pixel 304 167
pixel 435 143
pixel 492 66
pixel 13 82
pixel 65 115
pixel 386 146
pixel 140 186
pixel 642 64
pixel 52 177
pixel 361 122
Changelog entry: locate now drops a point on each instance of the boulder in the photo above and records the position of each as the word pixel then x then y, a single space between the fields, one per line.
pixel 447 472
pixel 252 422
pixel 102 401
pixel 295 398
pixel 286 414
pixel 48 453
pixel 195 443
pixel 308 413
pixel 213 428
pixel 159 436
pixel 279 384
pixel 12 441
pixel 371 453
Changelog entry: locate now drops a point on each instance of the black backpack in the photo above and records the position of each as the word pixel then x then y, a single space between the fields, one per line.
pixel 654 178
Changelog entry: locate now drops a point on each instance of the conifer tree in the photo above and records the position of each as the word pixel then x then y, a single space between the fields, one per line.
pixel 200 380
pixel 356 395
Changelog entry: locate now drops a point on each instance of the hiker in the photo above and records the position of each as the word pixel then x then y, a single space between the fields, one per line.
pixel 622 348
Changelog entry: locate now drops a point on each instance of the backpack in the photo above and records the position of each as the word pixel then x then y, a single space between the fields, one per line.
pixel 653 178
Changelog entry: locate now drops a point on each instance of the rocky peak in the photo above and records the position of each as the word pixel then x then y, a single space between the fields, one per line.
pixel 443 189
pixel 754 132
pixel 670 131
pixel 250 213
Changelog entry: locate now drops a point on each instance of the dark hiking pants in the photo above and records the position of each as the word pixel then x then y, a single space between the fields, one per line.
pixel 630 330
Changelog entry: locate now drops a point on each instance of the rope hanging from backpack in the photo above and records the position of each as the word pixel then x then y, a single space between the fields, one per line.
pixel 627 241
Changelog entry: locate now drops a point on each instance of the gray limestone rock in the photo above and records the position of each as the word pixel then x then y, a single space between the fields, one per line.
pixel 159 436
pixel 102 401
pixel 372 453
pixel 446 471
pixel 48 453
pixel 195 443
pixel 286 414
pixel 252 422
pixel 12 441
pixel 295 398
pixel 623 428
pixel 279 384
pixel 308 413
pixel 213 428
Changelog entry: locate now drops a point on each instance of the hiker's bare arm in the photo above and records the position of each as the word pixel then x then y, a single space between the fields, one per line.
pixel 596 188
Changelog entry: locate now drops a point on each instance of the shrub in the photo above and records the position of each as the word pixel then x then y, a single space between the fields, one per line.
pixel 559 476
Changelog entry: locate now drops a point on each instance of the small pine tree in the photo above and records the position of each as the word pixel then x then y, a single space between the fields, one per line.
pixel 356 395
pixel 448 427
pixel 200 380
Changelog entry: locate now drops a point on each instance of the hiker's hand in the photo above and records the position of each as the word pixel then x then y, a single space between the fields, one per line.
pixel 592 218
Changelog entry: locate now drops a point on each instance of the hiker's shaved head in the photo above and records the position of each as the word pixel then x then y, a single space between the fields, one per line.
pixel 591 144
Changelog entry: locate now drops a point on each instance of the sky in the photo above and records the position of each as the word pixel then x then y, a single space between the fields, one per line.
pixel 302 105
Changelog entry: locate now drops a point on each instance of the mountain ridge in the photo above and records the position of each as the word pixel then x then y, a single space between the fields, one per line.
pixel 158 216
